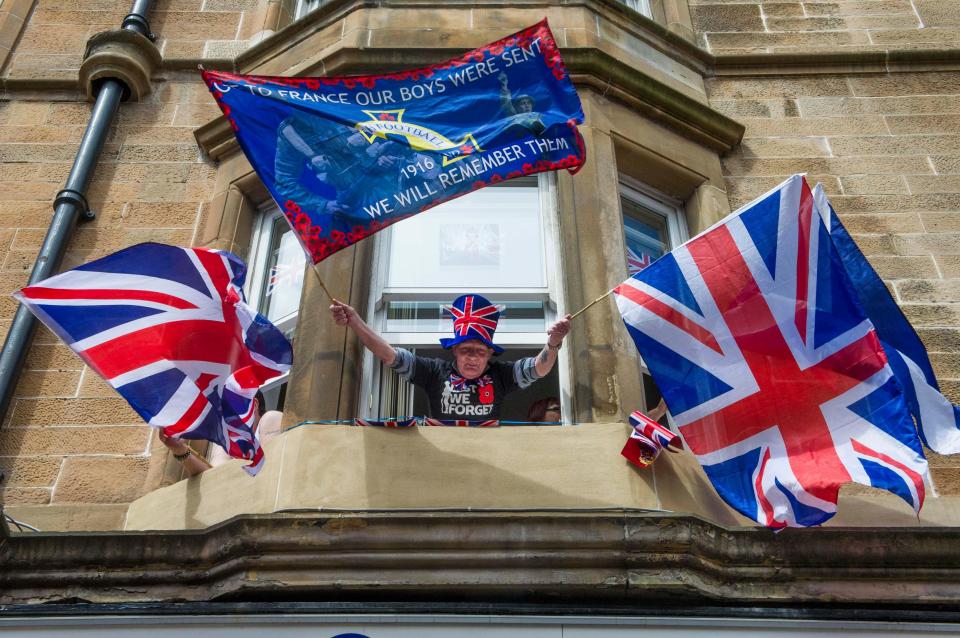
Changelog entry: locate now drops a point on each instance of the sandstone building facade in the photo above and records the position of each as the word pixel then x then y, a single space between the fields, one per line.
pixel 693 108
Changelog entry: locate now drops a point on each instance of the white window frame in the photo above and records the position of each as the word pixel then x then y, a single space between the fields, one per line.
pixel 640 6
pixel 656 202
pixel 551 295
pixel 259 257
pixel 306 6
pixel 669 208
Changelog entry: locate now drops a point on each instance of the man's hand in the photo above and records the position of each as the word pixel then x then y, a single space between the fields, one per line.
pixel 657 413
pixel 558 331
pixel 342 313
pixel 503 79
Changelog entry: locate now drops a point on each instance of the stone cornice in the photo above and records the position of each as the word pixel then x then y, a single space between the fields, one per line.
pixel 828 62
pixel 692 119
pixel 647 30
pixel 609 557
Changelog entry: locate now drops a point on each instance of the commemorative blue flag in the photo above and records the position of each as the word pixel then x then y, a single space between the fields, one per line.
pixel 345 157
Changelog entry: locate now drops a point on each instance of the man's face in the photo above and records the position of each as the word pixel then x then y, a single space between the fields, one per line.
pixel 472 357
pixel 525 105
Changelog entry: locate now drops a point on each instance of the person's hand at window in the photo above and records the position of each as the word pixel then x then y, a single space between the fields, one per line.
pixel 657 413
pixel 558 331
pixel 181 451
pixel 342 313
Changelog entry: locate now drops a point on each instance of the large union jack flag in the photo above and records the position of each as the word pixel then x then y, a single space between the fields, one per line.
pixel 938 420
pixel 769 366
pixel 168 329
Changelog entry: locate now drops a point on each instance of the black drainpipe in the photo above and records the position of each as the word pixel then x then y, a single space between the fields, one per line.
pixel 69 204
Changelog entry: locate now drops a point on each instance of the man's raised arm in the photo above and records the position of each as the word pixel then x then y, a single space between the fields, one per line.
pixel 548 356
pixel 345 315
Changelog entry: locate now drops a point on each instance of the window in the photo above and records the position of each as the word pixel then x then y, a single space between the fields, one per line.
pixel 500 242
pixel 653 224
pixel 640 6
pixel 277 265
pixel 275 283
pixel 306 6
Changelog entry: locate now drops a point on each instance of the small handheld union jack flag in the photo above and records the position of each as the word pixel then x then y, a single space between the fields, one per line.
pixel 655 432
pixel 169 330
pixel 474 318
pixel 406 422
pixel 461 423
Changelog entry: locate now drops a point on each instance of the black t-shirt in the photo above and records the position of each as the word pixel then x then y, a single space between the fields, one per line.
pixel 453 397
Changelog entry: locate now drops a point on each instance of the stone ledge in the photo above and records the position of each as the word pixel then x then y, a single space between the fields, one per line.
pixel 818 63
pixel 323 467
pixel 613 556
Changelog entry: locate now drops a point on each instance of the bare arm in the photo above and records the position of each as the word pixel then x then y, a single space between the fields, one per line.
pixel 344 315
pixel 548 356
pixel 192 464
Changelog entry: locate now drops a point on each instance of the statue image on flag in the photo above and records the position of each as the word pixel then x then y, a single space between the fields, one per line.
pixel 345 157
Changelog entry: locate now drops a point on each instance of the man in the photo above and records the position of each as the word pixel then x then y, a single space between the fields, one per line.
pixel 471 386
pixel 267 424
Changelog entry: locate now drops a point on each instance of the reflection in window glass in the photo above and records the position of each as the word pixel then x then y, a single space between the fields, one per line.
pixel 647 236
pixel 306 6
pixel 283 274
pixel 491 238
pixel 429 316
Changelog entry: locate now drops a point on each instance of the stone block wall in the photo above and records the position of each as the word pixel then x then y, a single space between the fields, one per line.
pixel 886 146
pixel 68 437
pixel 758 26
pixel 55 36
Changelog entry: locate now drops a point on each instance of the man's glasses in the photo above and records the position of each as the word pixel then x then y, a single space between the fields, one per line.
pixel 475 353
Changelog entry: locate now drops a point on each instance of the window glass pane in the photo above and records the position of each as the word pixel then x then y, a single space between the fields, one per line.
pixel 490 238
pixel 428 316
pixel 641 6
pixel 306 6
pixel 283 277
pixel 647 237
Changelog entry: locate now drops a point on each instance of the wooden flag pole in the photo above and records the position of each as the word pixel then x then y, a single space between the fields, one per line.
pixel 320 279
pixel 601 297
pixel 197 454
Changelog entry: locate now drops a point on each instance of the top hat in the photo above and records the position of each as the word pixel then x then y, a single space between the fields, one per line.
pixel 474 317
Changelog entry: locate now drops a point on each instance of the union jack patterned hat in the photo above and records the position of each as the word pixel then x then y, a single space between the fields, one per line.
pixel 474 317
